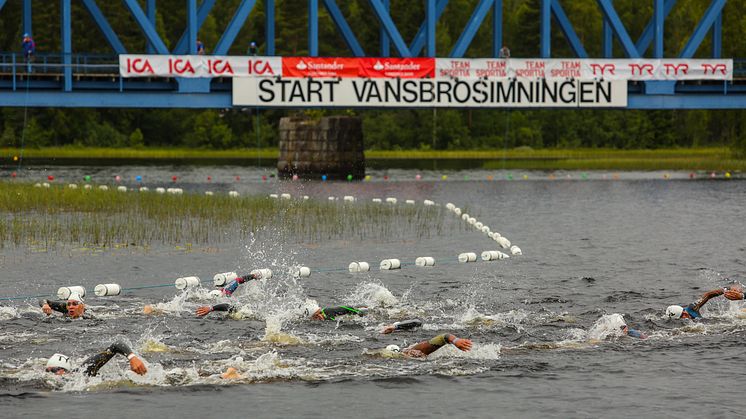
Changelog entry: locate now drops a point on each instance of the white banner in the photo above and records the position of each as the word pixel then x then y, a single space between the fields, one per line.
pixel 428 93
pixel 198 66
pixel 584 69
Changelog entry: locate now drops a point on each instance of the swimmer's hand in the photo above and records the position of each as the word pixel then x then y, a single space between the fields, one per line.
pixel 463 344
pixel 388 329
pixel 136 365
pixel 203 311
pixel 46 309
pixel 734 294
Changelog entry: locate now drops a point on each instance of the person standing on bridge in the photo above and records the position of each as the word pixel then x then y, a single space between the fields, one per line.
pixel 253 49
pixel 29 47
pixel 200 48
pixel 504 52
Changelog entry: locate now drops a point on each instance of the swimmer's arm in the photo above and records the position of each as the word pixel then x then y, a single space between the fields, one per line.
pixel 332 312
pixel 429 346
pixel 405 325
pixel 93 364
pixel 205 310
pixel 636 334
pixel 59 306
pixel 246 278
pixel 233 285
pixel 707 297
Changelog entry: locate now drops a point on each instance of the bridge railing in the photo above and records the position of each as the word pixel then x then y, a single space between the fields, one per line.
pixel 53 63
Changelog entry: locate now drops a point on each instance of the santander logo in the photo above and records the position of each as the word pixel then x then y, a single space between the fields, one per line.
pixel 378 66
pixel 302 66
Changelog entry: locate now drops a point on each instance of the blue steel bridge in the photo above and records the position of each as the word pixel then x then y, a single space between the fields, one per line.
pixel 78 79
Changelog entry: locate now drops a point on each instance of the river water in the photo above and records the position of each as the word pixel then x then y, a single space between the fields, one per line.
pixel 545 339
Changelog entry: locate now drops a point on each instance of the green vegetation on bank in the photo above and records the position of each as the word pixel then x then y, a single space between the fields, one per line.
pixel 402 129
pixel 712 158
pixel 59 215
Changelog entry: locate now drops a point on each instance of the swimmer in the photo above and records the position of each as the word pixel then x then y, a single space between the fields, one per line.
pixel 331 313
pixel 73 307
pixel 404 325
pixel 692 310
pixel 60 364
pixel 633 333
pixel 232 286
pixel 425 348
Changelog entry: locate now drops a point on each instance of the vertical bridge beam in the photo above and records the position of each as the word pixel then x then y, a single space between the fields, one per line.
pixel 269 27
pixel 192 26
pixel 430 17
pixel 497 28
pixel 420 39
pixel 545 50
pixel 202 12
pixel 27 28
pixel 648 34
pixel 385 42
pixel 150 12
pixel 658 16
pixel 67 50
pixel 313 28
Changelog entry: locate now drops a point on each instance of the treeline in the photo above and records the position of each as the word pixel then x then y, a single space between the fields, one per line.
pixel 400 129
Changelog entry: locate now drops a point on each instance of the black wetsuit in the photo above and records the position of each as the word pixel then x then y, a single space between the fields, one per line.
pixel 331 313
pixel 93 364
pixel 408 324
pixel 230 308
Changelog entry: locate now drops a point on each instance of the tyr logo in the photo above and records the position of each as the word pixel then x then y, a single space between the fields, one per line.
pixel 638 69
pixel 684 68
pixel 601 69
pixel 714 68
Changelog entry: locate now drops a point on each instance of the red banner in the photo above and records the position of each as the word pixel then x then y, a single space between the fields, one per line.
pixel 320 67
pixel 404 68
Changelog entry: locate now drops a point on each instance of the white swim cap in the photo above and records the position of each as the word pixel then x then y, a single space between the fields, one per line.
pixel 393 348
pixel 59 361
pixel 75 297
pixel 674 311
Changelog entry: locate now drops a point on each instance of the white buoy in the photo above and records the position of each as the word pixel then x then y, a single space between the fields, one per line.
pixel 389 264
pixel 490 255
pixel 515 250
pixel 285 196
pixel 409 201
pixel 72 186
pixel 64 292
pixel 215 293
pixel 122 188
pixel 219 280
pixel 144 189
pixel 503 255
pixel 391 200
pixel 472 220
pixel 349 198
pixel 424 261
pixel 377 200
pixel 103 188
pixel 450 206
pixel 107 290
pixel 37 185
pixel 171 191
pixel 428 203
pixel 465 217
pixel 45 184
pixel 485 230
pixel 467 257
pixel 305 197
pixel 358 267
pixel 87 187
pixel 331 198
pixel 478 225
pixel 495 235
pixel 160 190
pixel 503 242
pixel 186 282
pixel 233 194
pixel 208 193
pixel 273 196
pixel 263 273
pixel 302 272
pixel 457 211
pixel 178 191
